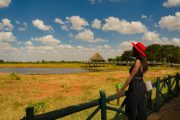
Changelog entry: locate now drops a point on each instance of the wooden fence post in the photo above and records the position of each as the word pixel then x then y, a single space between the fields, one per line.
pixel 29 113
pixel 157 95
pixel 177 84
pixel 169 87
pixel 103 105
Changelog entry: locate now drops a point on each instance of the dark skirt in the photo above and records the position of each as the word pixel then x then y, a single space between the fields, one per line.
pixel 135 100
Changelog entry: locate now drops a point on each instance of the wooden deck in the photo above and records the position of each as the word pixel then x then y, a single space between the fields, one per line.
pixel 124 63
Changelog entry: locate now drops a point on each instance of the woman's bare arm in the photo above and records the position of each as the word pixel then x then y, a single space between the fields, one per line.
pixel 133 73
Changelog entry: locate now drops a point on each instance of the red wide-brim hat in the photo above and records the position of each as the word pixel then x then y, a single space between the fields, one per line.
pixel 140 48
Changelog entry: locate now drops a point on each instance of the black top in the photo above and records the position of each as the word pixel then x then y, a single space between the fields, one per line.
pixel 138 74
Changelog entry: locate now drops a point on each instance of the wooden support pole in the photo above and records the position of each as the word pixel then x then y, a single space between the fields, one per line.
pixel 29 113
pixel 103 105
pixel 177 84
pixel 157 95
pixel 169 88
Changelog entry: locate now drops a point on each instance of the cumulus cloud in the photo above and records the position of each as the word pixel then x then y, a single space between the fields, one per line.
pixel 7 37
pixel 28 43
pixel 21 29
pixel 172 41
pixel 151 36
pixel 77 22
pixel 144 16
pixel 22 26
pixel 155 38
pixel 125 45
pixel 64 27
pixel 123 27
pixel 58 20
pixel 172 23
pixel 88 36
pixel 40 25
pixel 171 3
pixel 39 49
pixel 48 39
pixel 96 24
pixel 4 3
pixel 95 1
pixel 104 47
pixel 6 25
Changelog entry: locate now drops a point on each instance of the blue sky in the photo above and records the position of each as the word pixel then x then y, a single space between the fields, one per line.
pixel 32 30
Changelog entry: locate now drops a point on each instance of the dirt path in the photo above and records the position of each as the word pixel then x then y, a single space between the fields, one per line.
pixel 170 111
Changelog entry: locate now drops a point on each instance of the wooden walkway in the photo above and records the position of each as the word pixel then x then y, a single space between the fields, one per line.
pixel 170 111
pixel 124 63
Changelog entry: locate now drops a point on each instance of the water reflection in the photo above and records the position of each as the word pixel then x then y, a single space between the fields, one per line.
pixel 43 70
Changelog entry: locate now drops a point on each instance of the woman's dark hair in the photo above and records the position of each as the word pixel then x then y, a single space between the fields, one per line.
pixel 142 59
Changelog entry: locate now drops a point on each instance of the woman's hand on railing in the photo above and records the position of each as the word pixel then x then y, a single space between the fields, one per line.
pixel 119 93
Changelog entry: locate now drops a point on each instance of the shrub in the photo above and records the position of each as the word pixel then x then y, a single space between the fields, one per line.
pixel 38 106
pixel 15 76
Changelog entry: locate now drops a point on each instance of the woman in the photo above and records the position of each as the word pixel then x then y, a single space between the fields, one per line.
pixel 135 99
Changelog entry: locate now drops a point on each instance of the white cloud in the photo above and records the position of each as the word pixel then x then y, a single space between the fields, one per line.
pixel 22 26
pixel 6 24
pixel 100 1
pixel 154 38
pixel 171 3
pixel 95 1
pixel 58 20
pixel 144 16
pixel 48 39
pixel 70 35
pixel 39 49
pixel 79 47
pixel 28 43
pixel 88 36
pixel 96 24
pixel 156 25
pixel 7 37
pixel 172 23
pixel 17 22
pixel 126 45
pixel 115 0
pixel 122 26
pixel 151 36
pixel 172 41
pixel 1 26
pixel 104 47
pixel 64 46
pixel 64 27
pixel 176 41
pixel 77 22
pixel 21 29
pixel 25 24
pixel 40 25
pixel 53 53
pixel 4 3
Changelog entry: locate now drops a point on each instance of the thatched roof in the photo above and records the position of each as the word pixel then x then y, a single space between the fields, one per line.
pixel 97 57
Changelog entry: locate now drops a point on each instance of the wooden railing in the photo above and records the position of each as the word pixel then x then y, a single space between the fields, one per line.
pixel 171 83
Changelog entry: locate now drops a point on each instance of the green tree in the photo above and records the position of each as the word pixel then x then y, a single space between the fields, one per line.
pixel 126 55
pixel 118 58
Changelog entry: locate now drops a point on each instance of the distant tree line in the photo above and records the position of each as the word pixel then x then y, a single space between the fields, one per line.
pixel 37 62
pixel 155 52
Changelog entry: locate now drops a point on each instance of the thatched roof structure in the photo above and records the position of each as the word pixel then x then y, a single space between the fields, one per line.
pixel 97 58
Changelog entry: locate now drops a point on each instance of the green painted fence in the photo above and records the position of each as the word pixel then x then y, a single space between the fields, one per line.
pixel 169 83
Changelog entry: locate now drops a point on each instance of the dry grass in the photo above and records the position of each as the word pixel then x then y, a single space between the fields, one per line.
pixel 50 92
